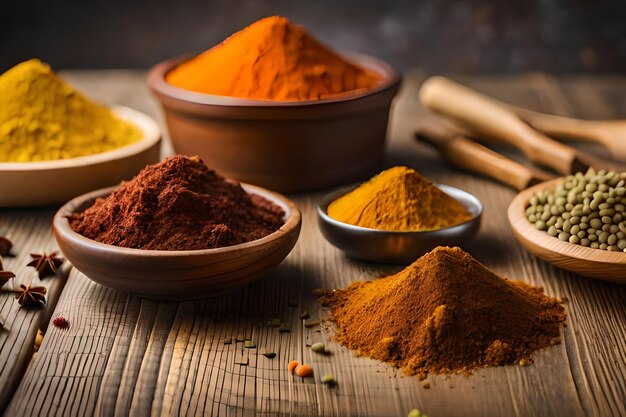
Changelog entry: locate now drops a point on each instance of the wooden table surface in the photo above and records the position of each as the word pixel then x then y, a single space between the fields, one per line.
pixel 126 356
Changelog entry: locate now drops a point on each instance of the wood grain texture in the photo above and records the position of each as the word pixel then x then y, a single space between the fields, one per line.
pixel 30 233
pixel 127 356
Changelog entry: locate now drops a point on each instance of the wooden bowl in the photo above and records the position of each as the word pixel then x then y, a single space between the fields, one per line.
pixel 594 263
pixel 283 145
pixel 388 246
pixel 176 275
pixel 49 182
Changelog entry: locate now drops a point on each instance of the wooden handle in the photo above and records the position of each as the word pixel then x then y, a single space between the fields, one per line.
pixel 609 133
pixel 487 117
pixel 471 156
pixel 559 126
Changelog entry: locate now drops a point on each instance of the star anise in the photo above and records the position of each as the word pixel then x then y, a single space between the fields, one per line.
pixel 31 296
pixel 5 276
pixel 5 246
pixel 46 264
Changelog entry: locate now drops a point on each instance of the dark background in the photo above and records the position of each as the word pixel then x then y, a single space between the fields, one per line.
pixel 560 36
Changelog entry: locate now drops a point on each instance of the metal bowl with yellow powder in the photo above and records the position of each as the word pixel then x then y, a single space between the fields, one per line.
pixel 398 216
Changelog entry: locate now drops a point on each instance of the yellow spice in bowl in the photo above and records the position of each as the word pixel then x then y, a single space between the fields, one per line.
pixel 399 199
pixel 43 118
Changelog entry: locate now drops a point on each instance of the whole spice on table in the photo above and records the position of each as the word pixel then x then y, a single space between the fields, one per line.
pixel 43 118
pixel 329 380
pixel 398 199
pixel 5 246
pixel 446 312
pixel 291 366
pixel 587 209
pixel 30 296
pixel 46 264
pixel 271 59
pixel 5 276
pixel 304 371
pixel 178 204
pixel 318 347
pixel 61 322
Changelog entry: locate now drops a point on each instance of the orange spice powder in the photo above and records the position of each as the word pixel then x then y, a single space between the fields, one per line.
pixel 271 59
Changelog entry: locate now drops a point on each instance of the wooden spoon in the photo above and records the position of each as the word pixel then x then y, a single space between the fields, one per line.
pixel 488 117
pixel 464 153
pixel 609 133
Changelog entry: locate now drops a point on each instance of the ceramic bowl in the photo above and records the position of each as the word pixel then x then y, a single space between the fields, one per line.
pixel 397 247
pixel 49 182
pixel 285 146
pixel 176 275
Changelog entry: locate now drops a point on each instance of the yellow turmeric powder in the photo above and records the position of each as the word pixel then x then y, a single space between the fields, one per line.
pixel 398 199
pixel 43 118
pixel 271 59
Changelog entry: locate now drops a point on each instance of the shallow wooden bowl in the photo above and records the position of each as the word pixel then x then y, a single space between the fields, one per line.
pixel 176 275
pixel 594 263
pixel 397 247
pixel 282 145
pixel 49 182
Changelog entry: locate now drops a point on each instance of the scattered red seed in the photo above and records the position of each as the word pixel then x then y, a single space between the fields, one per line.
pixel 61 323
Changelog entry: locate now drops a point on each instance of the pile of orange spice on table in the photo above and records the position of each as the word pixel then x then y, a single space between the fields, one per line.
pixel 272 59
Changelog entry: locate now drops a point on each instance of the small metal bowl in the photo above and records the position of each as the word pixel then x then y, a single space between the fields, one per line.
pixel 397 247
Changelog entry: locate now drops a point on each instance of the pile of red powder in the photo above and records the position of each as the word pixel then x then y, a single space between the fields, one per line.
pixel 178 204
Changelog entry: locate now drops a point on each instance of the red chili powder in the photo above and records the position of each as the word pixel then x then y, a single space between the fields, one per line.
pixel 178 204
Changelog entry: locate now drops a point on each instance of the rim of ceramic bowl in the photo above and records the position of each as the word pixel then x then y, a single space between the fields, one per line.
pixel 61 224
pixel 148 126
pixel 322 209
pixel 391 78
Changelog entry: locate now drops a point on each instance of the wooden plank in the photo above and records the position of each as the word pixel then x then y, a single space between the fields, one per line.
pixel 127 356
pixel 30 233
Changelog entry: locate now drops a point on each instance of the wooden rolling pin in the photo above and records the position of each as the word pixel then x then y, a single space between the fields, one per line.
pixel 487 117
pixel 466 154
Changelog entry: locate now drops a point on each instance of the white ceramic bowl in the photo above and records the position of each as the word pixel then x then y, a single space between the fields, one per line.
pixel 49 182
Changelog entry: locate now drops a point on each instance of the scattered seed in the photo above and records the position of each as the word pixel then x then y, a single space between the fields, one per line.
pixel 38 340
pixel 426 385
pixel 305 315
pixel 240 338
pixel 304 371
pixel 329 380
pixel 228 341
pixel 318 347
pixel 61 323
pixel 292 366
pixel 415 413
pixel 269 355
pixel 523 362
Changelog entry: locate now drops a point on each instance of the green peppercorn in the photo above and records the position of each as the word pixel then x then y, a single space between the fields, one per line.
pixel 587 209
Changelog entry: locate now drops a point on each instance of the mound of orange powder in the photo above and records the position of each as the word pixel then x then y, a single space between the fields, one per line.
pixel 272 59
